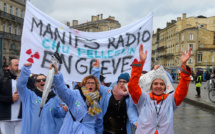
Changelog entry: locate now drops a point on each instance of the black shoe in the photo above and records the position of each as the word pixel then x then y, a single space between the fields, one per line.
pixel 198 96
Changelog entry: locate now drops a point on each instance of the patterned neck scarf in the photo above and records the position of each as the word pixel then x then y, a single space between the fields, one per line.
pixel 92 99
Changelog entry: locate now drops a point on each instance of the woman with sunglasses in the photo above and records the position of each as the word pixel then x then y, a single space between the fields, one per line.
pixel 115 101
pixel 52 115
pixel 156 108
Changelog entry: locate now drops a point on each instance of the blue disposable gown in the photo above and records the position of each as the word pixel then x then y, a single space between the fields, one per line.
pixel 50 119
pixel 79 109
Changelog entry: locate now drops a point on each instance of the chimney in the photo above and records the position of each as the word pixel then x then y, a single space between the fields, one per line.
pixel 74 22
pixel 111 17
pixel 184 16
pixel 98 17
pixel 101 16
pixel 178 18
pixel 94 18
pixel 68 23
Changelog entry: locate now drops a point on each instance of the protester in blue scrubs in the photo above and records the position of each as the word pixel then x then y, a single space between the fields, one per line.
pixel 52 114
pixel 85 110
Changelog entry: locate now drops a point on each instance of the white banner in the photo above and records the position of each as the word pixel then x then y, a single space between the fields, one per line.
pixel 115 49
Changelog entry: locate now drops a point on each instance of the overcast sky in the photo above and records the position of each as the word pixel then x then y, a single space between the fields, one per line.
pixel 125 11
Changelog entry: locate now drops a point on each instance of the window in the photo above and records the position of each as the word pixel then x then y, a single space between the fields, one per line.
pixel 22 14
pixel 11 9
pixel 17 12
pixel 199 57
pixel 191 36
pixel 191 45
pixel 10 28
pixel 4 27
pixel 13 46
pixel 177 47
pixel 5 7
pixel 190 61
pixel 182 37
pixel 20 31
pixel 16 30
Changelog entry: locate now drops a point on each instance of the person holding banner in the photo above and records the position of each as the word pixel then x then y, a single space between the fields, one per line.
pixel 52 114
pixel 83 104
pixel 156 108
pixel 115 102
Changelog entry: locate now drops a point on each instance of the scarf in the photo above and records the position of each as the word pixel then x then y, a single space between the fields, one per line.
pixel 118 93
pixel 158 98
pixel 92 99
pixel 39 93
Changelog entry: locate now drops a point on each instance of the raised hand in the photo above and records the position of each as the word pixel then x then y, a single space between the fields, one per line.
pixel 55 68
pixel 28 64
pixel 156 67
pixel 185 57
pixel 96 63
pixel 142 54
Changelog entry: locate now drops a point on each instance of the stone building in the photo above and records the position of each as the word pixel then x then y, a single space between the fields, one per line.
pixel 179 35
pixel 11 21
pixel 97 24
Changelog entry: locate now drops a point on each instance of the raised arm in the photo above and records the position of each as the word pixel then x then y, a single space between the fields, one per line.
pixel 62 91
pixel 182 88
pixel 96 72
pixel 23 80
pixel 137 67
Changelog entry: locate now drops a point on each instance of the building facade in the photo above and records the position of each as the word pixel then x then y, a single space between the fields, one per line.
pixel 11 21
pixel 178 35
pixel 97 24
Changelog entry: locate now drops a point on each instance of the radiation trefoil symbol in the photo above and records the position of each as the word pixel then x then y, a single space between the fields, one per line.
pixel 35 55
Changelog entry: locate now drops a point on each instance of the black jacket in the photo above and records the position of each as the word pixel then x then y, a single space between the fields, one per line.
pixel 6 97
pixel 207 76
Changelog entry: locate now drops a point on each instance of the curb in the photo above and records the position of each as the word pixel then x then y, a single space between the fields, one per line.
pixel 200 104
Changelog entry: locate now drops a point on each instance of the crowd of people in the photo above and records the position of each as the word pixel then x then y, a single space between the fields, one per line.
pixel 90 106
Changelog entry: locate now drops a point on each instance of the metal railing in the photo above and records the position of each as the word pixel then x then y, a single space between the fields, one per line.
pixel 10 36
pixel 204 63
pixel 11 17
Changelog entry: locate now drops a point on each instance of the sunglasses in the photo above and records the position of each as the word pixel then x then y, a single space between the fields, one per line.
pixel 38 80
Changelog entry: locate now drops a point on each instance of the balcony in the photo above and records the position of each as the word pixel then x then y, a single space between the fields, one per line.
pixel 169 55
pixel 161 48
pixel 6 35
pixel 11 17
pixel 153 51
pixel 204 64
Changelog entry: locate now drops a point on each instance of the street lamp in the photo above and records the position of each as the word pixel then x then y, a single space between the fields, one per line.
pixel 212 63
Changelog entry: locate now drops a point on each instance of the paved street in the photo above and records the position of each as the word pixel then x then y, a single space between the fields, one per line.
pixel 189 119
pixel 203 101
pixel 195 115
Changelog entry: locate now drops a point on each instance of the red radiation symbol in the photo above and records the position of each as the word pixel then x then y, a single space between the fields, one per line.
pixel 35 55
